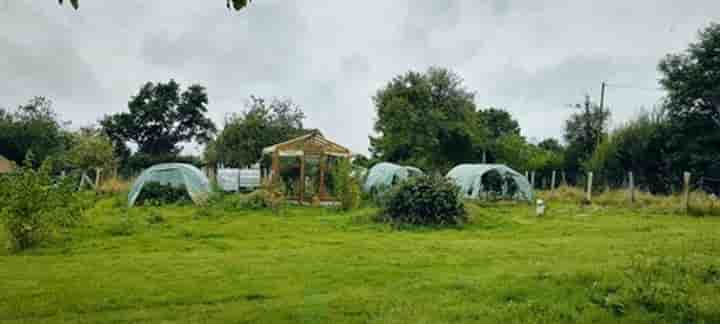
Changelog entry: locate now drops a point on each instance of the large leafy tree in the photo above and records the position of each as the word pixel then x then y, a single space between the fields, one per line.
pixel 32 128
pixel 428 120
pixel 263 123
pixel 160 117
pixel 234 4
pixel 692 81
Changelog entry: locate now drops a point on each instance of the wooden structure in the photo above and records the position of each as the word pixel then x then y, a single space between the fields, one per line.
pixel 311 146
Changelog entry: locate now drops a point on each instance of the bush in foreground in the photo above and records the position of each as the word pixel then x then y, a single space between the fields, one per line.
pixel 425 201
pixel 34 204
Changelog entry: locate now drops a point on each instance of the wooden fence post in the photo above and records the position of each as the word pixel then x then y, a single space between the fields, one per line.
pixel 97 177
pixel 552 182
pixel 589 187
pixel 564 180
pixel 631 186
pixel 686 191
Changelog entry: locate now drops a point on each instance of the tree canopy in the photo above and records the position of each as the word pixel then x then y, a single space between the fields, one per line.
pixel 692 81
pixel 428 120
pixel 263 123
pixel 32 128
pixel 160 117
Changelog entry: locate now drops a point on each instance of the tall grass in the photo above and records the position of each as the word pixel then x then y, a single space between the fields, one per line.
pixel 701 203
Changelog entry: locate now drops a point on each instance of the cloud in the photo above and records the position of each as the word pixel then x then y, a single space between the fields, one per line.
pixel 330 57
pixel 36 62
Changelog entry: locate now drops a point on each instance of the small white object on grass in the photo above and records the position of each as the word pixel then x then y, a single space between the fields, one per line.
pixel 540 207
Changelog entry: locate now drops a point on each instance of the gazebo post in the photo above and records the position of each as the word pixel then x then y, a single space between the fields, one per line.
pixel 323 157
pixel 302 179
pixel 275 167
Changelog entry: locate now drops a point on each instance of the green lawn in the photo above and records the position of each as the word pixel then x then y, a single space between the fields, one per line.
pixel 578 264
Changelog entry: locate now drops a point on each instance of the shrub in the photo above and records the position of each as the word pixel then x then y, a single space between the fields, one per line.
pixel 256 200
pixel 426 200
pixel 34 204
pixel 347 187
pixel 155 193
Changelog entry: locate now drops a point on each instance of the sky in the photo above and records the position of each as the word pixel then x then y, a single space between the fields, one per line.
pixel 532 58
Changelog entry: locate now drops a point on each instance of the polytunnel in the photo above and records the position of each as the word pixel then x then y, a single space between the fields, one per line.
pixel 176 175
pixel 469 178
pixel 385 175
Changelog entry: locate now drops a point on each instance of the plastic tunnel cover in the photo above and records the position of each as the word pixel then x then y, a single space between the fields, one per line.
pixel 175 174
pixel 383 174
pixel 469 178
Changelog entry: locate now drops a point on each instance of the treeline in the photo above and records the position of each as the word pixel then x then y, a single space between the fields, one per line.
pixel 427 119
pixel 430 120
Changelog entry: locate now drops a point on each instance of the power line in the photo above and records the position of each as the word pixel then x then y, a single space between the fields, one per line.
pixel 624 86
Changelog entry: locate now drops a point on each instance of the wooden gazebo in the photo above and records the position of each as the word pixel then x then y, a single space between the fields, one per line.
pixel 312 146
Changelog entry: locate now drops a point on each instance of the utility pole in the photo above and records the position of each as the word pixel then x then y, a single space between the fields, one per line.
pixel 602 95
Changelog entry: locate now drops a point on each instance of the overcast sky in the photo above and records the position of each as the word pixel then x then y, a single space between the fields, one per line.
pixel 532 58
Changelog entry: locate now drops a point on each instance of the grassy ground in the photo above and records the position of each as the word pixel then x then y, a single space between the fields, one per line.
pixel 189 264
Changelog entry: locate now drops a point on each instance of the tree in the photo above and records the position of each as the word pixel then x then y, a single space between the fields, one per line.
pixel 552 145
pixel 160 118
pixel 33 127
pixel 428 120
pixel 262 124
pixel 692 81
pixel 234 4
pixel 498 122
pixel 584 131
pixel 91 150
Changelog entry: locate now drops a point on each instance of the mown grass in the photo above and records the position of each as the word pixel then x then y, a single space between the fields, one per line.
pixel 218 264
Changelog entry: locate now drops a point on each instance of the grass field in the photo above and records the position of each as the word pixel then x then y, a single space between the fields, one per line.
pixel 190 264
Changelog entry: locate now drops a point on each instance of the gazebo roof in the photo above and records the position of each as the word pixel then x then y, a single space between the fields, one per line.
pixel 313 142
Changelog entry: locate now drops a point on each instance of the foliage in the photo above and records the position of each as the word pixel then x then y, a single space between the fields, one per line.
pixel 91 150
pixel 33 127
pixel 638 146
pixel 425 200
pixel 161 116
pixel 155 193
pixel 584 130
pixel 427 120
pixel 141 161
pixel 234 4
pixel 346 187
pixel 692 81
pixel 262 124
pixel 34 204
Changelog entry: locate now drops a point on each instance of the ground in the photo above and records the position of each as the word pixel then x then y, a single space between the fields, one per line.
pixel 200 264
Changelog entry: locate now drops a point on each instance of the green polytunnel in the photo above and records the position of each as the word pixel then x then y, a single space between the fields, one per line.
pixel 174 174
pixel 469 177
pixel 385 175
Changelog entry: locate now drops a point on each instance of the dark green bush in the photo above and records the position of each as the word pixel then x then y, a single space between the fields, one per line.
pixel 425 200
pixel 155 193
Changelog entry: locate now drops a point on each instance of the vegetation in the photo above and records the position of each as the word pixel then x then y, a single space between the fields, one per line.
pixel 346 186
pixel 34 205
pixel 155 193
pixel 263 124
pixel 597 264
pixel 31 128
pixel 160 117
pixel 425 200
